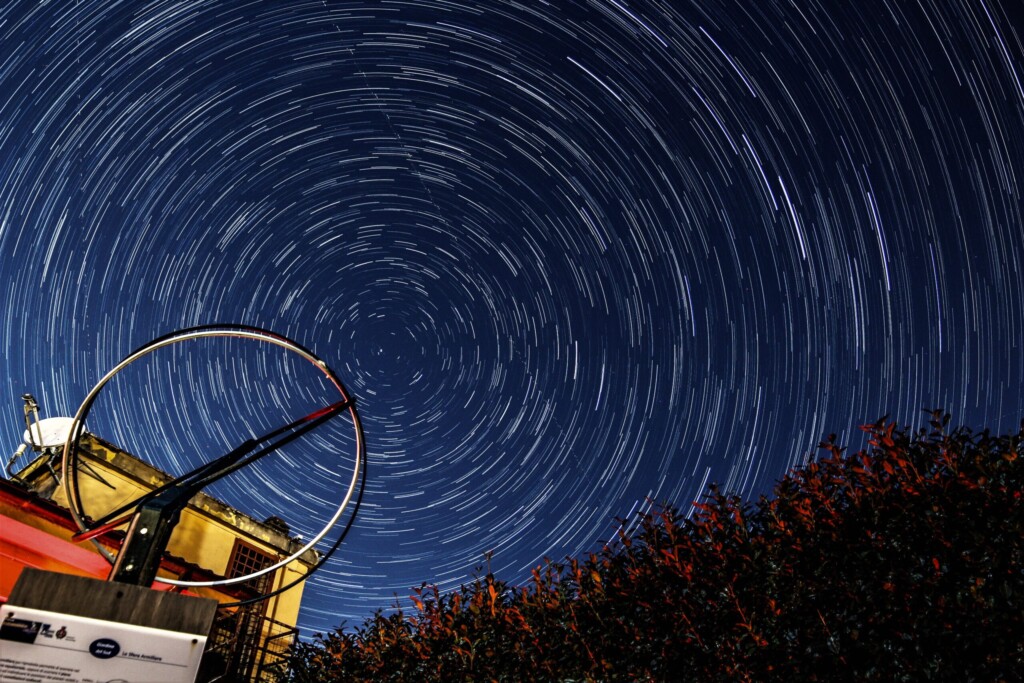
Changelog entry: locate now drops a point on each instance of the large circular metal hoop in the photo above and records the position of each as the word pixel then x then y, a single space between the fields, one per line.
pixel 70 456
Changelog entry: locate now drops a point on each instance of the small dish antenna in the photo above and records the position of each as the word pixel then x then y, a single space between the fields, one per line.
pixel 44 436
pixel 53 432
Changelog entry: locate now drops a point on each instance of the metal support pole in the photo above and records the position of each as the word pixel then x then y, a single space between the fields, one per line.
pixel 147 537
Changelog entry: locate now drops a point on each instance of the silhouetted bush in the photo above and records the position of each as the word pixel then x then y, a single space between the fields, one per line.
pixel 903 562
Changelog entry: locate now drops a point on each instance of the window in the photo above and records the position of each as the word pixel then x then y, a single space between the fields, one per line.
pixel 246 559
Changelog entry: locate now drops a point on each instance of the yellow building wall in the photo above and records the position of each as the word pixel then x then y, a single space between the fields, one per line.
pixel 205 534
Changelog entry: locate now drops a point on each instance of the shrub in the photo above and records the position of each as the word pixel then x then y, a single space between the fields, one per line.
pixel 902 562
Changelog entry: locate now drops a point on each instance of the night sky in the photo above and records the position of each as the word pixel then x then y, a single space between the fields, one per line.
pixel 568 256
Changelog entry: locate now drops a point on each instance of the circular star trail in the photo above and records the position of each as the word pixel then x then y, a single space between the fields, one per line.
pixel 570 257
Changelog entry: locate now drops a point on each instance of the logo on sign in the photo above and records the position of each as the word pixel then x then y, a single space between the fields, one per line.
pixel 104 648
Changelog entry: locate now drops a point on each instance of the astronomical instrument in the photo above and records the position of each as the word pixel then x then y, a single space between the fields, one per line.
pixel 151 516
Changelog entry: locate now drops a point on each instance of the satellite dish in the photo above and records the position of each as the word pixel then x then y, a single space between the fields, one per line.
pixel 160 505
pixel 49 433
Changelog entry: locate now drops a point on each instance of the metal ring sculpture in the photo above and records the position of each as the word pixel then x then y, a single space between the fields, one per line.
pixel 90 529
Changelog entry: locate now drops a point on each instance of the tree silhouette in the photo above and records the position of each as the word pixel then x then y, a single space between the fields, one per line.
pixel 903 562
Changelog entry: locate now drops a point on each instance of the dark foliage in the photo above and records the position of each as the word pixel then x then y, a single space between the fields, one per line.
pixel 904 562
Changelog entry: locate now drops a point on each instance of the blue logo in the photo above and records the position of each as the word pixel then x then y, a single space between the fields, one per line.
pixel 104 648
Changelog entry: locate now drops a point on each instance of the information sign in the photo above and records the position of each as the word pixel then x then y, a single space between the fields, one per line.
pixel 39 646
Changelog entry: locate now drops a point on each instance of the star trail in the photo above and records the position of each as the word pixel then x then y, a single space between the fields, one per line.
pixel 570 257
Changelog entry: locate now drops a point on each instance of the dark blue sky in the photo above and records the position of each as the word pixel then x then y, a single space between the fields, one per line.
pixel 568 256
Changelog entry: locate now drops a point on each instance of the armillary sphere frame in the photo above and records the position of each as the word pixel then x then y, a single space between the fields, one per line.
pixel 176 493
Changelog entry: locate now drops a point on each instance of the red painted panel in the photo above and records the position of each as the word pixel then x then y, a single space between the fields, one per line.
pixel 24 546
